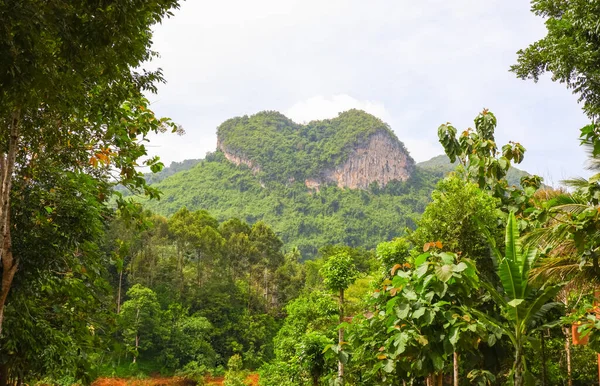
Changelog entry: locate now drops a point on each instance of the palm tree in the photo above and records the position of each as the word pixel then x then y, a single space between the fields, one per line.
pixel 571 235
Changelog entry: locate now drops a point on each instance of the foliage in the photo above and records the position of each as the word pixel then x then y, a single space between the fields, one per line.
pixel 459 216
pixel 286 150
pixel 310 323
pixel 419 317
pixel 73 123
pixel 441 166
pixel 302 219
pixel 390 253
pixel 140 315
pixel 338 272
pixel 235 376
pixel 570 51
pixel 477 151
pixel 523 306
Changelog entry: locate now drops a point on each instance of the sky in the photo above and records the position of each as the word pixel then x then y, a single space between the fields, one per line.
pixel 414 64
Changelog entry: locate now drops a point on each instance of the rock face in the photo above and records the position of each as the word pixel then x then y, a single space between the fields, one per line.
pixel 380 159
pixel 237 158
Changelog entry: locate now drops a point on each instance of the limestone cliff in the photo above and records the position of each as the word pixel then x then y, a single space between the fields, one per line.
pixel 381 158
pixel 237 158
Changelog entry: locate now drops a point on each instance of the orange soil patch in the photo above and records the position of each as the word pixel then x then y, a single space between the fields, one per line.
pixel 172 381
pixel 163 381
pixel 252 380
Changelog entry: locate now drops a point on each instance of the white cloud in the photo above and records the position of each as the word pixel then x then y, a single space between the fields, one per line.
pixel 320 107
pixel 422 150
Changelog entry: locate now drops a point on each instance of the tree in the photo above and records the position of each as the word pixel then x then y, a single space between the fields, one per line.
pixel 310 323
pixel 477 153
pixel 338 273
pixel 570 51
pixel 459 216
pixel 139 318
pixel 235 375
pixel 419 317
pixel 390 253
pixel 72 101
pixel 523 306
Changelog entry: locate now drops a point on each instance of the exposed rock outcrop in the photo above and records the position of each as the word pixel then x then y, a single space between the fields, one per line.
pixel 237 158
pixel 380 159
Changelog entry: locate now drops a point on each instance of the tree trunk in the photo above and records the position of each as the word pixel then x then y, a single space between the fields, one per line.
pixel 267 289
pixel 341 339
pixel 9 268
pixel 455 360
pixel 7 165
pixel 543 357
pixel 568 354
pixel 440 379
pixel 137 345
pixel 4 375
pixel 119 292
pixel 518 367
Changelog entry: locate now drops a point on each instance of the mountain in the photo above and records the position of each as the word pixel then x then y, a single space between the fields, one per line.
pixel 346 180
pixel 352 150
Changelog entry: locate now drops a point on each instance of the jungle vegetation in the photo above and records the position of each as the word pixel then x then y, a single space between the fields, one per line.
pixel 492 283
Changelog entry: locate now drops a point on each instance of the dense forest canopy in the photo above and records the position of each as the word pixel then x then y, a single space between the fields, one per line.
pixel 468 272
pixel 303 219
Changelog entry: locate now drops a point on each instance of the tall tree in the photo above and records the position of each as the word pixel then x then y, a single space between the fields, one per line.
pixel 570 51
pixel 71 99
pixel 339 273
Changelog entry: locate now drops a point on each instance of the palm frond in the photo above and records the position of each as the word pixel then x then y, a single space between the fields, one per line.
pixel 558 268
pixel 577 182
pixel 572 208
pixel 592 163
pixel 563 199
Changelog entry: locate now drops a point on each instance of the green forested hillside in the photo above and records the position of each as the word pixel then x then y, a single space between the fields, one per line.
pixel 284 149
pixel 302 218
pixel 440 165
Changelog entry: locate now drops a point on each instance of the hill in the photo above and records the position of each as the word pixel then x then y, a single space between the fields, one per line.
pixel 441 165
pixel 352 150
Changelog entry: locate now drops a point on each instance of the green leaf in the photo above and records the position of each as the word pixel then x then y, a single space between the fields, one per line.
pixel 443 273
pixel 389 366
pixel 421 270
pixel 402 310
pixel 421 259
pixel 418 313
pixel 454 336
pixel 515 302
pixel 460 267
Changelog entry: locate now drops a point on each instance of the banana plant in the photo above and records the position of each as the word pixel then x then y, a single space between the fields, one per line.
pixel 523 306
